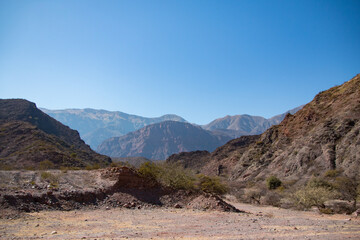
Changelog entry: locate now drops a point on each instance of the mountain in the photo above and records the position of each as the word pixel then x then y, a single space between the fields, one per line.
pixel 160 140
pixel 239 125
pixel 29 136
pixel 95 126
pixel 323 135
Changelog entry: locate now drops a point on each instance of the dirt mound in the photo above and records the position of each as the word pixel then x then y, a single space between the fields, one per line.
pixel 114 187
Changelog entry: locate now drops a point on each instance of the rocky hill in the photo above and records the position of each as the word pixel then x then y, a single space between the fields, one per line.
pixel 240 125
pixel 95 126
pixel 160 140
pixel 28 136
pixel 323 135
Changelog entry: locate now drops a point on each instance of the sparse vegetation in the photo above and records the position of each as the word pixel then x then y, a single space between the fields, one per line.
pixel 46 164
pixel 211 184
pixel 93 166
pixel 175 176
pixel 52 179
pixel 316 192
pixel 273 182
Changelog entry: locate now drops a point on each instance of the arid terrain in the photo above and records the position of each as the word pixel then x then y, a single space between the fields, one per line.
pixel 260 222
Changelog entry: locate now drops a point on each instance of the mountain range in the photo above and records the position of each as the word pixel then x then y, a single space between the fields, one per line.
pixel 28 136
pixel 160 140
pixel 95 126
pixel 239 125
pixel 323 135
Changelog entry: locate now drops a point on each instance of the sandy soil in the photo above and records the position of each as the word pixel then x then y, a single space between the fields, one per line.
pixel 258 223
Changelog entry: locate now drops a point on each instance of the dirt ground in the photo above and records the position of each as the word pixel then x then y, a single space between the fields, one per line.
pixel 260 222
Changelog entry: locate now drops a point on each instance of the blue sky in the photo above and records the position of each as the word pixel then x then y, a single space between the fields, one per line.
pixel 199 59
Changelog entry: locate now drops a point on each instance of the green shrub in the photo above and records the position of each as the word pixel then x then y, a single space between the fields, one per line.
pixel 211 185
pixel 273 182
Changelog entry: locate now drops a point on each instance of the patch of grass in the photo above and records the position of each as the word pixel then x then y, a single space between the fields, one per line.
pixel 332 173
pixel 46 164
pixel 6 167
pixel 93 166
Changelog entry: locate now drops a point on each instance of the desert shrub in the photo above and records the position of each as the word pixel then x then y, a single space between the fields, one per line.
pixel 349 188
pixel 320 183
pixel 332 173
pixel 51 178
pixel 150 170
pixel 177 177
pixel 211 185
pixel 167 174
pixel 252 196
pixel 315 193
pixel 92 167
pixel 46 164
pixel 271 198
pixel 273 182
pixel 6 167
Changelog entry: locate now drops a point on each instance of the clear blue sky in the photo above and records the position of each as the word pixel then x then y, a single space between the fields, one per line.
pixel 199 59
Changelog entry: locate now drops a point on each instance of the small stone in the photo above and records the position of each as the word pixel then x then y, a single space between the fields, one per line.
pixel 107 208
pixel 177 206
pixel 37 225
pixel 53 232
pixel 295 228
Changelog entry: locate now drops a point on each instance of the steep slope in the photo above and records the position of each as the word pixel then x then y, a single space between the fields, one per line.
pixel 95 126
pixel 158 141
pixel 29 136
pixel 323 135
pixel 240 125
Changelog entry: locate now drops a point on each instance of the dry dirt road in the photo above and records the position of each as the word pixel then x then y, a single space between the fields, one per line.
pixel 259 223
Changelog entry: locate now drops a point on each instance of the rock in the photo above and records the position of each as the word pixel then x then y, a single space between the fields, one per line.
pixel 107 208
pixel 356 213
pixel 53 232
pixel 177 206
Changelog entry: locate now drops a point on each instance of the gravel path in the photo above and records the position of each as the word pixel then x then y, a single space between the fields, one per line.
pixel 259 223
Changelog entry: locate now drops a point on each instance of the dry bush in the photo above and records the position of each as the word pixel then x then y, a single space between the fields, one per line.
pixel 212 185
